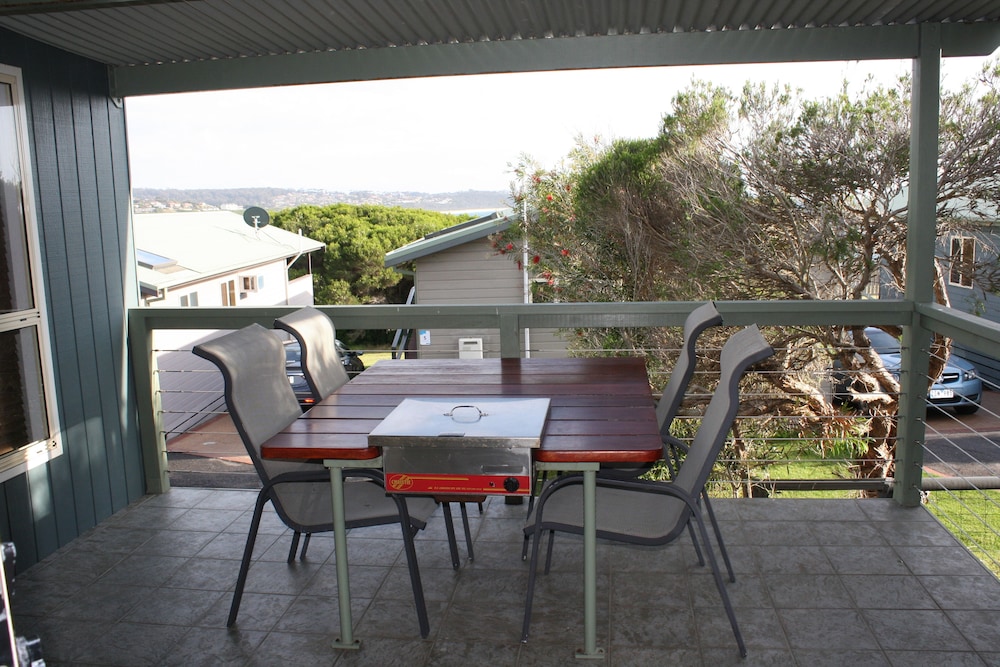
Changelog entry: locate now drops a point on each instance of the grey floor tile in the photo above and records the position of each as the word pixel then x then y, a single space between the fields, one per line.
pixel 827 629
pixel 934 659
pixel 915 629
pixel 979 627
pixel 132 645
pixel 209 647
pixel 873 591
pixel 963 591
pixel 808 591
pixel 471 652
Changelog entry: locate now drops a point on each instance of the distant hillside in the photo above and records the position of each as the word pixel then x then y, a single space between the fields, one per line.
pixel 276 199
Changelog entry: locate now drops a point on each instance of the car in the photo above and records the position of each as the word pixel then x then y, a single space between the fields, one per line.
pixel 959 387
pixel 293 368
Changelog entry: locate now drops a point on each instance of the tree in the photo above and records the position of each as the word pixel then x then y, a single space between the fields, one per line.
pixel 765 195
pixel 352 269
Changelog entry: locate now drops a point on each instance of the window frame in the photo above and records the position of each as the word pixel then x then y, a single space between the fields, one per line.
pixel 38 452
pixel 963 268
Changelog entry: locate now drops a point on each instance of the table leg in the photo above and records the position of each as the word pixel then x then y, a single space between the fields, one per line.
pixel 590 650
pixel 346 639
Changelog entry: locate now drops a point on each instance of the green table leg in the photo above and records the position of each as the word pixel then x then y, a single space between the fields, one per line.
pixel 590 650
pixel 346 639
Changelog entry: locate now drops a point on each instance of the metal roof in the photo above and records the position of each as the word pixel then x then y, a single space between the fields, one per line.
pixel 192 242
pixel 443 239
pixel 155 46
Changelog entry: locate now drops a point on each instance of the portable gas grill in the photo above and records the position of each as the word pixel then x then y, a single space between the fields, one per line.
pixel 461 446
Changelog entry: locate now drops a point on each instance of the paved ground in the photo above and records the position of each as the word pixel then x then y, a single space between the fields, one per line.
pixel 965 445
pixel 211 456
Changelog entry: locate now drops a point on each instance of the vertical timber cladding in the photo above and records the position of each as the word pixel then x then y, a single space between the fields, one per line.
pixel 76 136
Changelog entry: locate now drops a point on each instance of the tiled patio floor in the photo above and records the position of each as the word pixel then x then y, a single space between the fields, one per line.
pixel 819 582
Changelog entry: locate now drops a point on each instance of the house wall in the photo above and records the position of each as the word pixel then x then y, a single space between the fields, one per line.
pixel 80 169
pixel 473 273
pixel 976 301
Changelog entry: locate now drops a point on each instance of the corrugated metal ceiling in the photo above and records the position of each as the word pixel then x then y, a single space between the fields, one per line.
pixel 125 32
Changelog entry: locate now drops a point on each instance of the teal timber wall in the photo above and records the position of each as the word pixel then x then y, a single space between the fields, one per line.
pixel 80 168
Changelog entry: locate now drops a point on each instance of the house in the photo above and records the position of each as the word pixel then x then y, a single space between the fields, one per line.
pixel 213 258
pixel 81 441
pixel 461 265
pixel 965 252
pixel 217 259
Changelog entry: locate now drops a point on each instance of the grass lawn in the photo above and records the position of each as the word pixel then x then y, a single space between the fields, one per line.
pixel 973 517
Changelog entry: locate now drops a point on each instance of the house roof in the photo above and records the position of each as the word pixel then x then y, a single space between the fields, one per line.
pixel 449 237
pixel 159 46
pixel 175 249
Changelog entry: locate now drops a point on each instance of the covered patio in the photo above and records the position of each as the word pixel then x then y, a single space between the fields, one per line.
pixel 117 568
pixel 819 582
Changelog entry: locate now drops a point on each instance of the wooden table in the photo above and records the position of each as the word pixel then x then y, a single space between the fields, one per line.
pixel 601 411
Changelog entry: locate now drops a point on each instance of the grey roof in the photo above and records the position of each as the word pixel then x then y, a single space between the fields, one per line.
pixel 189 247
pixel 158 46
pixel 473 230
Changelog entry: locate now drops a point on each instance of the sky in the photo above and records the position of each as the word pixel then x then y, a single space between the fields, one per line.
pixel 443 134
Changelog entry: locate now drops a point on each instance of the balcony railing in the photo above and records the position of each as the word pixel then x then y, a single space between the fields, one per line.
pixel 786 464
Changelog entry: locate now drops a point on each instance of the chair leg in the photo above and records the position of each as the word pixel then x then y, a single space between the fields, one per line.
pixel 414 568
pixel 548 551
pixel 305 546
pixel 241 579
pixel 721 585
pixel 697 548
pixel 532 574
pixel 449 526
pixel 468 534
pixel 718 537
pixel 294 547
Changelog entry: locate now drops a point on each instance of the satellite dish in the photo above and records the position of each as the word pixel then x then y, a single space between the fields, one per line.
pixel 256 217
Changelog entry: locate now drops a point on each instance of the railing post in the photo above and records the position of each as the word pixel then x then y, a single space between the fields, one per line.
pixel 921 238
pixel 151 438
pixel 510 334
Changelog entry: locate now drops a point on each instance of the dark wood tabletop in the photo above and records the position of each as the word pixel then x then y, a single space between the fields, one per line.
pixel 601 410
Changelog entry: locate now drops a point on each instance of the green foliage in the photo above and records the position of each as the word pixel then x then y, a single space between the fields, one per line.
pixel 352 268
pixel 763 195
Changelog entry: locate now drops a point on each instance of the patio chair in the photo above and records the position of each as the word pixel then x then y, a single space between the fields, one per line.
pixel 261 404
pixel 321 367
pixel 648 512
pixel 316 335
pixel 697 321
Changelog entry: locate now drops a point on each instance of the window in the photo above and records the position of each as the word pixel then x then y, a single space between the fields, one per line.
pixel 252 283
pixel 963 261
pixel 29 430
pixel 229 293
pixel 189 299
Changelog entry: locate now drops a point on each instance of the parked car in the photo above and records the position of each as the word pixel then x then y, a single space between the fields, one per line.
pixel 959 386
pixel 293 368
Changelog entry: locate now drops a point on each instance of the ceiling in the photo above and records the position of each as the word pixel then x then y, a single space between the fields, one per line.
pixel 155 46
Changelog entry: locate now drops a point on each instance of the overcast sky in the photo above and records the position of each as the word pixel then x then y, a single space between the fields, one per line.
pixel 429 135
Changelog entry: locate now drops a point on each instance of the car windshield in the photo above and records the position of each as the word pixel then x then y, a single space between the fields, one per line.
pixel 882 342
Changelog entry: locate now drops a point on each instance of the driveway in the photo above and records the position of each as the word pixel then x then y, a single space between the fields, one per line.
pixel 965 445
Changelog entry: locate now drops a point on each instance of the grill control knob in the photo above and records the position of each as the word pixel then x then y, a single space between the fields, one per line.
pixel 511 484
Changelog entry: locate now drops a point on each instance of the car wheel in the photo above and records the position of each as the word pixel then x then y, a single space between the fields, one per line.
pixel 967 408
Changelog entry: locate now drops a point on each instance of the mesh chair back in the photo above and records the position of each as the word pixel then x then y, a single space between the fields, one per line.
pixel 701 318
pixel 261 404
pixel 743 349
pixel 316 335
